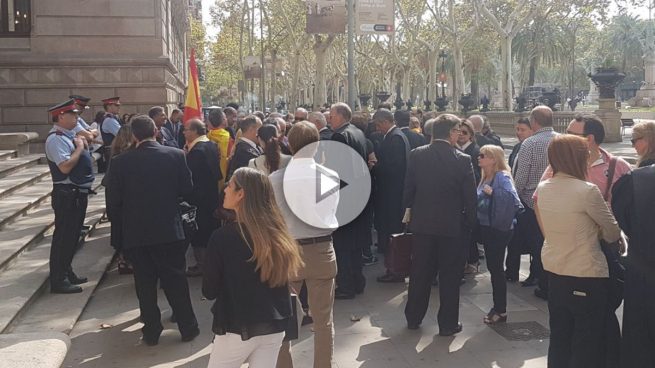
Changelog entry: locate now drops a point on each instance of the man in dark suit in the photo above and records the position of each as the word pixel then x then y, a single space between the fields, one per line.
pixel 402 118
pixel 389 173
pixel 204 162
pixel 246 148
pixel 440 202
pixel 350 279
pixel 146 195
pixel 164 135
pixel 175 126
pixel 318 119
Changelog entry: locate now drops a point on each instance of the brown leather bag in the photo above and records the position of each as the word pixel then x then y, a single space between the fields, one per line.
pixel 400 253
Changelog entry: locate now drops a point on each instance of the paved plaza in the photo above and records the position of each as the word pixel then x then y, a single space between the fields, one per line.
pixel 370 330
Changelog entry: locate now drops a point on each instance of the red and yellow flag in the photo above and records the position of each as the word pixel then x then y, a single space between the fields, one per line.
pixel 193 103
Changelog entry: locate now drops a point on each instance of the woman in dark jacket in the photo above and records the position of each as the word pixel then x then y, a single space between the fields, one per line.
pixel 248 263
pixel 467 144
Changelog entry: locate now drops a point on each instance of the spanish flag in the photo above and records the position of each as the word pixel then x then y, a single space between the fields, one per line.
pixel 193 104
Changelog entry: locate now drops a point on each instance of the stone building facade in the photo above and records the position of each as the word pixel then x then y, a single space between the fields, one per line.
pixel 50 49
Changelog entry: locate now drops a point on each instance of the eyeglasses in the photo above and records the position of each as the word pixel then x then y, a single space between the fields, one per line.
pixel 464 132
pixel 576 134
pixel 634 140
pixel 481 155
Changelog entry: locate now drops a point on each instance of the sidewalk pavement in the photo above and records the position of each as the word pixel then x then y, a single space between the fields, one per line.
pixel 370 330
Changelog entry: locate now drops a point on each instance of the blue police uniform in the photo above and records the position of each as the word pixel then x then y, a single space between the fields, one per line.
pixel 69 201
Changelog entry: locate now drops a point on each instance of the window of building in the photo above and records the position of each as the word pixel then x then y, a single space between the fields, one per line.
pixel 15 18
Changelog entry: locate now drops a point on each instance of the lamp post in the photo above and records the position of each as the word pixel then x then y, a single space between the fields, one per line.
pixel 442 76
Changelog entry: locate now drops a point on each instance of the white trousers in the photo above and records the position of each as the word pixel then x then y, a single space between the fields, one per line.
pixel 229 351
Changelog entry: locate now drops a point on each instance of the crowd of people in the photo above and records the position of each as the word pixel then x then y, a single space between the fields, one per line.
pixel 560 198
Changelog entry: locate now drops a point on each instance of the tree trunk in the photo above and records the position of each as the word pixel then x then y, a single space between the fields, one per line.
pixel 273 80
pixel 475 84
pixel 533 71
pixel 320 52
pixel 458 73
pixel 506 49
pixel 295 70
pixel 433 58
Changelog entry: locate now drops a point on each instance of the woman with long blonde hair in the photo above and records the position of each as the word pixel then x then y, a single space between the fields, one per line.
pixel 498 204
pixel 248 265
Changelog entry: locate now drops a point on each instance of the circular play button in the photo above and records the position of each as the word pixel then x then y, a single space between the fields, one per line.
pixel 327 184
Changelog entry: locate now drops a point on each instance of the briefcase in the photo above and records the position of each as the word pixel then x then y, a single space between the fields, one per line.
pixel 400 253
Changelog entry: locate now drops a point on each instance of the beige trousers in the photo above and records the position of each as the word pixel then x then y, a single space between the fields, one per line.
pixel 319 273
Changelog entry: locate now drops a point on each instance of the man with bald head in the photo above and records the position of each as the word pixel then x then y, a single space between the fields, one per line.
pixel 483 133
pixel 531 162
pixel 319 120
pixel 347 243
pixel 300 115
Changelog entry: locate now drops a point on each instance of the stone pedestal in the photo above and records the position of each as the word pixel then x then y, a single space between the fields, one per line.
pixel 646 95
pixel 611 118
pixel 592 97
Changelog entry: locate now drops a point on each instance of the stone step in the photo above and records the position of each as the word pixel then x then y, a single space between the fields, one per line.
pixel 11 165
pixel 22 201
pixel 57 312
pixel 20 179
pixel 5 154
pixel 26 272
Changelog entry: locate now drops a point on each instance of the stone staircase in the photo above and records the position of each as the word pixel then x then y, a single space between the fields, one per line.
pixel 28 312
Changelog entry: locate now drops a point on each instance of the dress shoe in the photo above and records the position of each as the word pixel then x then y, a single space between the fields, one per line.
pixel 530 281
pixel 76 280
pixel 413 326
pixel 541 293
pixel 306 320
pixel 341 295
pixel 150 341
pixel 191 335
pixel 390 278
pixel 450 332
pixel 65 287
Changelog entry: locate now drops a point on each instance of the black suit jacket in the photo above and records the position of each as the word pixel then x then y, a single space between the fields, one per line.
pixel 440 190
pixel 473 150
pixel 243 153
pixel 146 184
pixel 415 139
pixel 204 163
pixel 325 134
pixel 389 175
pixel 352 136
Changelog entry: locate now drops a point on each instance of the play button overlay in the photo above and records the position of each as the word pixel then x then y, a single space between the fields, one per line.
pixel 327 184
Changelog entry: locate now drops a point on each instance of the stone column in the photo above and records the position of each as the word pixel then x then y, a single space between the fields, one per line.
pixel 611 118
pixel 646 95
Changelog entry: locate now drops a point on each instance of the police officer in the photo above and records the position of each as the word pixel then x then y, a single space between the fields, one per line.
pixel 111 124
pixel 83 129
pixel 71 168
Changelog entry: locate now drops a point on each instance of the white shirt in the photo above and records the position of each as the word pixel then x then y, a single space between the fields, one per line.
pixel 303 181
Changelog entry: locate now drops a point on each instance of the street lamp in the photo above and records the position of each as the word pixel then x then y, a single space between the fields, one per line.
pixel 442 101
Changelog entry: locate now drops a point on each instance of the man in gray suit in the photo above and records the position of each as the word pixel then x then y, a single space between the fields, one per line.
pixel 440 202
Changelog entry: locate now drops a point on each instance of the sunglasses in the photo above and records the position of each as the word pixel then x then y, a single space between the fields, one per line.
pixel 481 155
pixel 634 140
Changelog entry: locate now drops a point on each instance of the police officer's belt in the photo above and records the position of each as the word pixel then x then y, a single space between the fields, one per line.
pixel 320 239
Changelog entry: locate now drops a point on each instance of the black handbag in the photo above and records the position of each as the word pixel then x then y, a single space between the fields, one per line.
pixel 292 332
pixel 188 214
